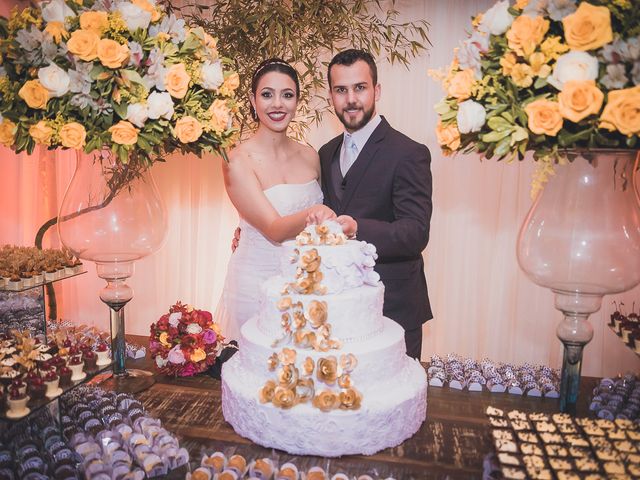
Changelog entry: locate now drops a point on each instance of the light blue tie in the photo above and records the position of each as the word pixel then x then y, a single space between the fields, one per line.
pixel 350 154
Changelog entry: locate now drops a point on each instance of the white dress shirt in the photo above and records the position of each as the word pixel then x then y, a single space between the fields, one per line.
pixel 360 138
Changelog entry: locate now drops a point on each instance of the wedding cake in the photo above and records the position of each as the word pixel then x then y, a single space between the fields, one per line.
pixel 319 370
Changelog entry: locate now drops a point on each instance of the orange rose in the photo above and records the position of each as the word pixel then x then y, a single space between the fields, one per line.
pixel 220 113
pixel 327 370
pixel 526 33
pixel 230 84
pixel 96 22
pixel 124 133
pixel 461 84
pixel 317 313
pixel 544 117
pixel 147 7
pixel 187 129
pixel 84 44
pixel 284 398
pixel 579 99
pixel 622 111
pixel 8 131
pixel 350 399
pixel 41 132
pixel 57 31
pixel 34 94
pixel 288 376
pixel 177 80
pixel 448 136
pixel 73 135
pixel 198 355
pixel 326 401
pixel 112 54
pixel 588 28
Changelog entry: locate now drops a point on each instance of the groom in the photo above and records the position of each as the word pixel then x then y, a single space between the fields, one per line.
pixel 382 179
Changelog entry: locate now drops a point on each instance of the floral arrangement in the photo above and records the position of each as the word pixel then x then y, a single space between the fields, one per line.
pixel 185 341
pixel 544 75
pixel 115 75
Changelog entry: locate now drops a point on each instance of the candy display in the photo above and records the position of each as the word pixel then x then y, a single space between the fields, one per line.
pixel 540 445
pixel 465 373
pixel 617 398
pixel 627 327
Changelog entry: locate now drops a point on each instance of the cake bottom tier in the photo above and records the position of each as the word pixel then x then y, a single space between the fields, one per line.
pixel 389 415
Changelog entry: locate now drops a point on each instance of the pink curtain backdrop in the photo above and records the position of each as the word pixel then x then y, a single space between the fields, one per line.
pixel 484 306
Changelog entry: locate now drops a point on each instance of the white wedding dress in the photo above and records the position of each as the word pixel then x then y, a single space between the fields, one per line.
pixel 257 258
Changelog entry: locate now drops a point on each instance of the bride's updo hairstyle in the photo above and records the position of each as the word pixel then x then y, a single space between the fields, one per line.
pixel 272 65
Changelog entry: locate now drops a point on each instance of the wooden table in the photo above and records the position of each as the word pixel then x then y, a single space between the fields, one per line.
pixel 451 443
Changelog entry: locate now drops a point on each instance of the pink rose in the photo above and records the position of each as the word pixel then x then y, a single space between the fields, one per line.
pixel 176 356
pixel 209 336
pixel 189 370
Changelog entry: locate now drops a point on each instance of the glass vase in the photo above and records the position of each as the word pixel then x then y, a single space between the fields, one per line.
pixel 113 215
pixel 581 239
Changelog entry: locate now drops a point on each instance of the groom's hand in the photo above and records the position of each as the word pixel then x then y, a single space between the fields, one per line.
pixel 348 224
pixel 236 240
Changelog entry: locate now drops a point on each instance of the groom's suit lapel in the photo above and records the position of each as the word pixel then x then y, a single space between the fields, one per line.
pixel 362 163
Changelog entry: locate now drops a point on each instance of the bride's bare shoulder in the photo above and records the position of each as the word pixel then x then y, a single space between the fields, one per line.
pixel 307 153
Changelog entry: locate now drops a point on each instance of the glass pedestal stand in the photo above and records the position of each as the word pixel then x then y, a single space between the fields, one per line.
pixel 116 295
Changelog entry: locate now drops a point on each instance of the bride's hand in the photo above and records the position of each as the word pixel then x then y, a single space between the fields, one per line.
pixel 348 224
pixel 318 214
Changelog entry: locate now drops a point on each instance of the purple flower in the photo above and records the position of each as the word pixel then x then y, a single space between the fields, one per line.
pixel 176 356
pixel 209 336
pixel 188 370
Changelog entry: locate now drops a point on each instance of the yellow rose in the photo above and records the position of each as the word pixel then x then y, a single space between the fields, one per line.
pixel 350 399
pixel 164 339
pixel 588 28
pixel 34 94
pixel 187 129
pixel 461 84
pixel 230 84
pixel 326 401
pixel 41 132
pixel 84 44
pixel 176 80
pixel 526 33
pixel 8 131
pixel 448 136
pixel 147 7
pixel 198 355
pixel 521 75
pixel 73 135
pixel 317 313
pixel 266 392
pixel 124 133
pixel 57 31
pixel 284 398
pixel 544 117
pixel 622 111
pixel 579 99
pixel 112 54
pixel 327 370
pixel 220 113
pixel 96 22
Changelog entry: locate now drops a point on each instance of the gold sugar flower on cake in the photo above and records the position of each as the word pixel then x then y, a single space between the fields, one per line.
pixel 327 370
pixel 348 362
pixel 350 399
pixel 304 238
pixel 299 319
pixel 273 362
pixel 284 397
pixel 288 376
pixel 284 304
pixel 286 321
pixel 326 401
pixel 310 260
pixel 324 331
pixel 317 313
pixel 305 389
pixel 344 381
pixel 308 366
pixel 287 356
pixel 267 391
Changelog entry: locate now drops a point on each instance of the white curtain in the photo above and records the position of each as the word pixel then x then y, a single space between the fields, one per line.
pixel 483 304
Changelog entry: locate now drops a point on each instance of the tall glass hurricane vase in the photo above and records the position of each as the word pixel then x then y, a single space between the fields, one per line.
pixel 581 239
pixel 113 216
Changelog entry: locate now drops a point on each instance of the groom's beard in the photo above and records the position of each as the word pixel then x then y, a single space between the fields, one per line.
pixel 355 124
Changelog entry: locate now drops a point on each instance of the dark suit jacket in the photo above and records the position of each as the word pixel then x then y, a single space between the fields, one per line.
pixel 387 191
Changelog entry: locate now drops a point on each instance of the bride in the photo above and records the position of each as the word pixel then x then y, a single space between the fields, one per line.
pixel 272 181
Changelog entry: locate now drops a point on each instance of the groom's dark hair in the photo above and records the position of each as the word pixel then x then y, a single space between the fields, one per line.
pixel 351 56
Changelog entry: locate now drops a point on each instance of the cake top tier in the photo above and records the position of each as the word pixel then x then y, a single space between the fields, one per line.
pixel 322 261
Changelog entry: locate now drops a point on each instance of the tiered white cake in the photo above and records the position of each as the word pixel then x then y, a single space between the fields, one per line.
pixel 320 371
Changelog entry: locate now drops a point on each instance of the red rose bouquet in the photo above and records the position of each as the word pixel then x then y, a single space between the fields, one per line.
pixel 185 341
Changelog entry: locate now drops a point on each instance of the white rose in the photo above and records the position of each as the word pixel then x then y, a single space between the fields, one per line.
pixel 211 75
pixel 134 16
pixel 56 11
pixel 54 79
pixel 160 105
pixel 194 328
pixel 137 114
pixel 160 362
pixel 574 65
pixel 471 116
pixel 174 318
pixel 497 19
